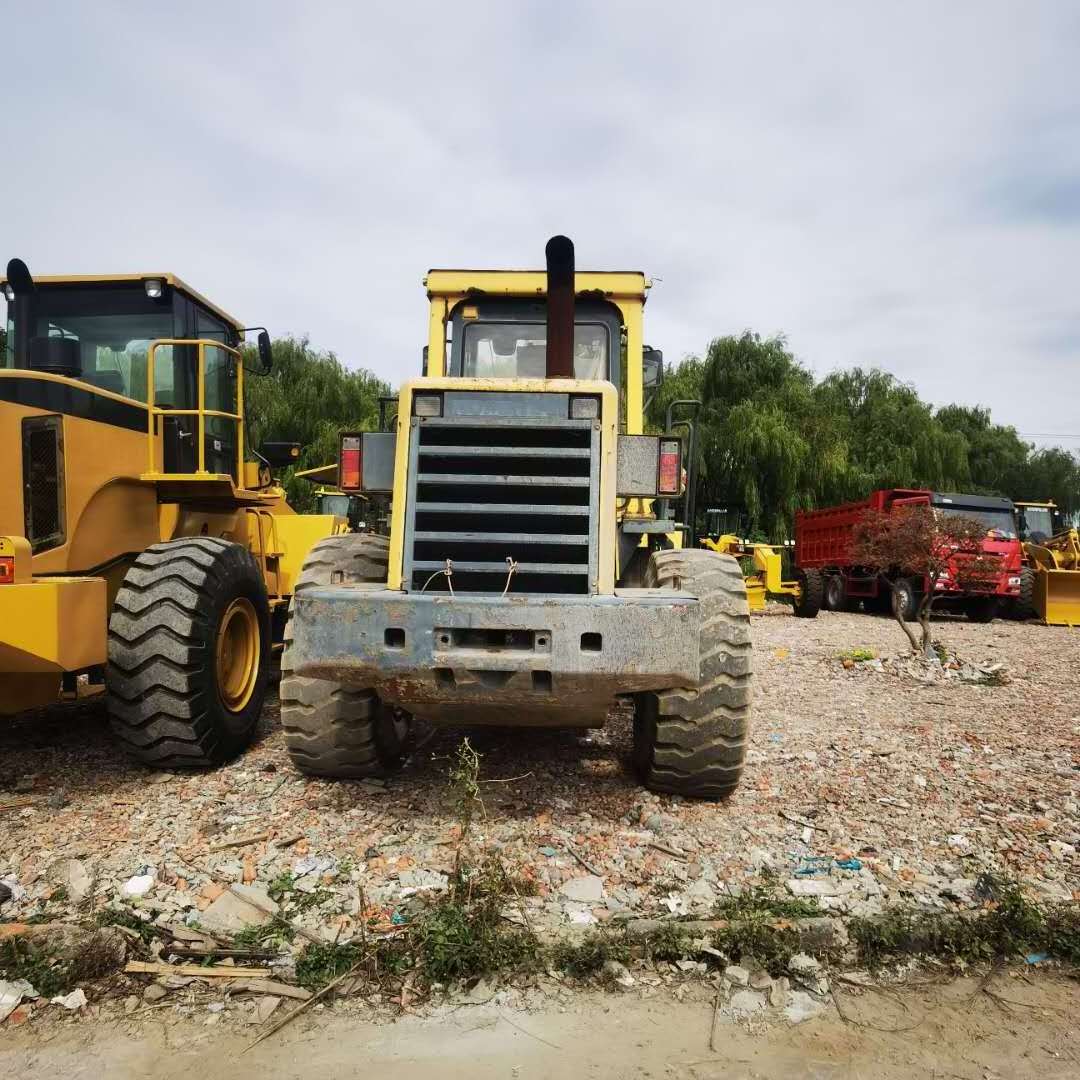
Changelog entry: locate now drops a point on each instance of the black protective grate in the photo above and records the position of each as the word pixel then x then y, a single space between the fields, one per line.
pixel 483 493
pixel 43 482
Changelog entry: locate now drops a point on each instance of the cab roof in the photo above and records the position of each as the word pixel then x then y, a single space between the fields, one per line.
pixel 610 284
pixel 108 279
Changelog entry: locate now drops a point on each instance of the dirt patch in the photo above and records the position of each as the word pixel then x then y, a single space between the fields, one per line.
pixel 1004 1027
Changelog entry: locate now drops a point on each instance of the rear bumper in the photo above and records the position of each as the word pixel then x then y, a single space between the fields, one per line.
pixel 454 658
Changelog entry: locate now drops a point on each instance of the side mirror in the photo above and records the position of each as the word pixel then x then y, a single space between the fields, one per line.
pixel 266 353
pixel 652 362
pixel 280 455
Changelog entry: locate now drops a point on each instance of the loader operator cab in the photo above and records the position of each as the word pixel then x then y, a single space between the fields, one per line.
pixel 102 332
pixel 1037 522
pixel 507 339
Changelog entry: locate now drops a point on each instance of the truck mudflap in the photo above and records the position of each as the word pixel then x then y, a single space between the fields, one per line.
pixel 475 658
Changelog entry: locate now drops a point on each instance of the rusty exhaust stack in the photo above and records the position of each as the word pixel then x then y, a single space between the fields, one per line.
pixel 560 307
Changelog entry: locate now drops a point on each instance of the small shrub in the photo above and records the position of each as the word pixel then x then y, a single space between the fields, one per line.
pixel 858 655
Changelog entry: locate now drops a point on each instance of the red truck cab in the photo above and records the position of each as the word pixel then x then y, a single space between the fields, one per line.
pixel 831 579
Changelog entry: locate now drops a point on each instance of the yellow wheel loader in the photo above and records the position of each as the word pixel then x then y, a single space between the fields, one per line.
pixel 1050 578
pixel 762 563
pixel 527 578
pixel 143 552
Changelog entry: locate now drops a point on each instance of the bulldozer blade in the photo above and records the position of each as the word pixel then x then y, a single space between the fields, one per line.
pixel 1057 597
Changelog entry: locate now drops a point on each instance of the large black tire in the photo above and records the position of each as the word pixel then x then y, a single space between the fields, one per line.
pixel 167 700
pixel 1024 604
pixel 835 595
pixel 692 741
pixel 811 593
pixel 332 729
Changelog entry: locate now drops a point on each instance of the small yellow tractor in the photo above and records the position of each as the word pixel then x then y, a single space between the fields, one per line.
pixel 1050 578
pixel 761 563
pixel 144 552
pixel 527 578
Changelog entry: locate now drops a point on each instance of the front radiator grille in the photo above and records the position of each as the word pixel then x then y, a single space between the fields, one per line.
pixel 43 482
pixel 482 493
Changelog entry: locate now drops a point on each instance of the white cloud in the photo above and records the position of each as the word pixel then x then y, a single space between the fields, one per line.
pixel 899 188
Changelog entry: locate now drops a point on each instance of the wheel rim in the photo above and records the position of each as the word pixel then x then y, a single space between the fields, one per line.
pixel 238 654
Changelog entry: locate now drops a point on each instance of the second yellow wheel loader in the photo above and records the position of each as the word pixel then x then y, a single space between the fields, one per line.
pixel 145 551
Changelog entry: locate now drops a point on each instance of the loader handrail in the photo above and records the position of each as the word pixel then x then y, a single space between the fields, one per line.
pixel 202 412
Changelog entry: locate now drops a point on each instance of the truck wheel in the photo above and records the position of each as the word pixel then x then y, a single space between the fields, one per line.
pixel 1024 604
pixel 981 609
pixel 907 598
pixel 332 729
pixel 189 653
pixel 692 741
pixel 835 596
pixel 811 593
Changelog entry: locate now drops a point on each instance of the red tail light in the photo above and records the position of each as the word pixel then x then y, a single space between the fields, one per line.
pixel 670 473
pixel 7 569
pixel 350 463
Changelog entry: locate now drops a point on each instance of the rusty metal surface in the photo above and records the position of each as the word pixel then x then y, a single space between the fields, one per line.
pixel 530 659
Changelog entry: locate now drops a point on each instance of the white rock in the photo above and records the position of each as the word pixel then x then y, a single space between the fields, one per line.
pixel 137 886
pixel 585 890
pixel 264 1009
pixel 619 975
pixel 736 975
pixel 801 964
pixel 819 887
pixel 74 877
pixel 11 994
pixel 231 913
pixel 747 1001
pixel 802 1007
pixel 73 1001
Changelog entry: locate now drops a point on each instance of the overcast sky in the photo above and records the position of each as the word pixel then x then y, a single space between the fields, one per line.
pixel 891 185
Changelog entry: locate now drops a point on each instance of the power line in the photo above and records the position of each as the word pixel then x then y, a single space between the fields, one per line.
pixel 1044 435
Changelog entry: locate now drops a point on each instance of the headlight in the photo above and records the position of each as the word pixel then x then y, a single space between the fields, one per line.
pixel 427 405
pixel 584 408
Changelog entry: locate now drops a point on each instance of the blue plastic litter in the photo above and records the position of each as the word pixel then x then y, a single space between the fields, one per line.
pixel 822 864
pixel 550 852
pixel 398 919
pixel 814 864
pixel 1035 958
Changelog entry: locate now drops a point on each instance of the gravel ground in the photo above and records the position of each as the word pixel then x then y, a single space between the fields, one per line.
pixel 863 787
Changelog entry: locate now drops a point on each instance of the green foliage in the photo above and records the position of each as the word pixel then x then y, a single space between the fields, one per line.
pixel 22 959
pixel 145 928
pixel 772 440
pixel 588 954
pixel 1007 926
pixel 309 397
pixel 766 899
pixel 320 964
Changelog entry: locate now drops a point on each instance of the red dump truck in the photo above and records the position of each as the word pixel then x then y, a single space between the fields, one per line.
pixel 829 578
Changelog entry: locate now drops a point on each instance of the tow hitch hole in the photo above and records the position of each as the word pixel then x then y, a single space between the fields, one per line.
pixel 541 680
pixel 592 642
pixel 394 637
pixel 444 676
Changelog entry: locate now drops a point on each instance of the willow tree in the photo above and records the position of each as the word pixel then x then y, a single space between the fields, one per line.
pixel 310 397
